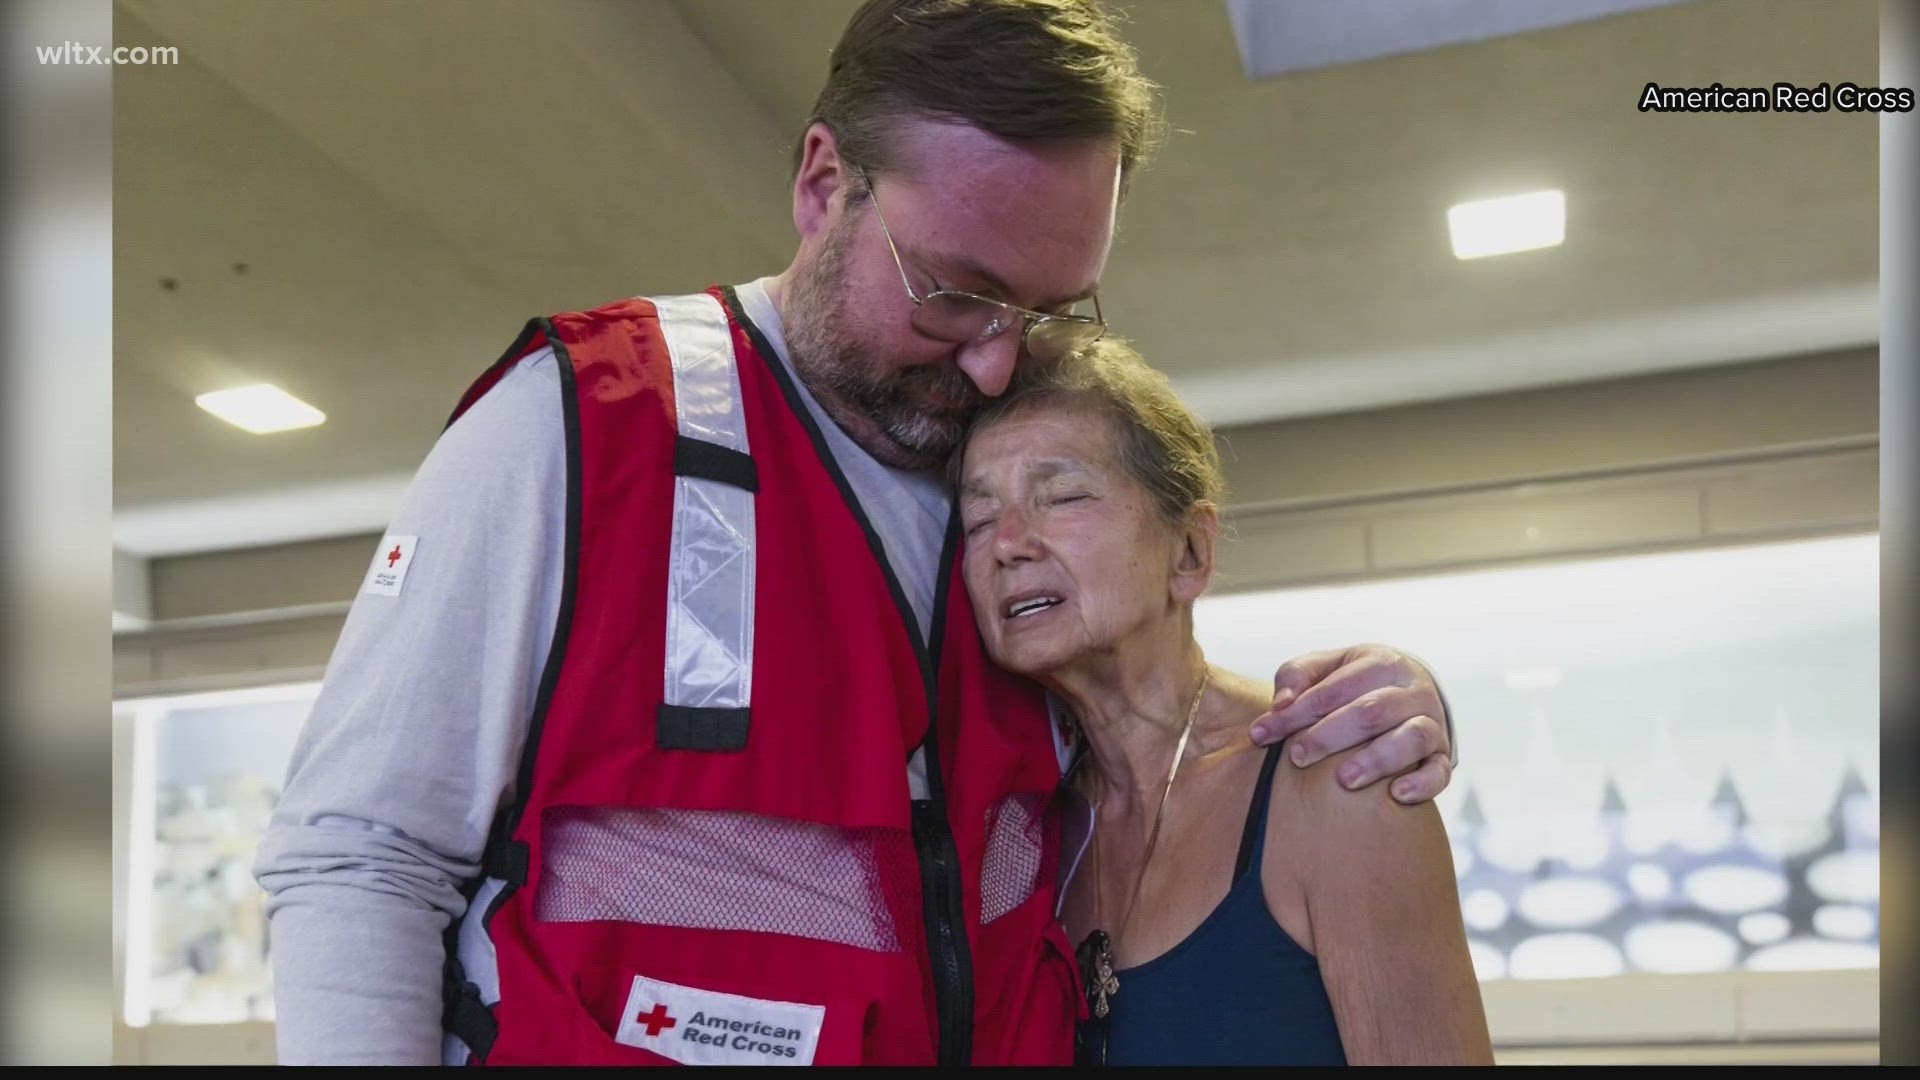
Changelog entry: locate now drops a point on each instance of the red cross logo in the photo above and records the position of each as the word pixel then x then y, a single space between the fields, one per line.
pixel 393 556
pixel 656 1021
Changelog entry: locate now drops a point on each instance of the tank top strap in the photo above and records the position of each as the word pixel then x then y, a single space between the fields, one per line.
pixel 1255 830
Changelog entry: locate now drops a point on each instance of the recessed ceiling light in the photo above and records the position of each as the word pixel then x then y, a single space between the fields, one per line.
pixel 261 409
pixel 1309 35
pixel 1537 219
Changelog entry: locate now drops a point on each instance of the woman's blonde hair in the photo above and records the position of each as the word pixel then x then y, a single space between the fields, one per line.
pixel 1160 442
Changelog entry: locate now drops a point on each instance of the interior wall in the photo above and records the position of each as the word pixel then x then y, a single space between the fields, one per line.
pixel 1592 427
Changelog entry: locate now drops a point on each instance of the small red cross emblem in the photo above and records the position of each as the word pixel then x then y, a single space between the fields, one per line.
pixel 393 556
pixel 656 1021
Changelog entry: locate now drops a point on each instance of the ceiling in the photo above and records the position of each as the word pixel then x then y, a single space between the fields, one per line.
pixel 363 201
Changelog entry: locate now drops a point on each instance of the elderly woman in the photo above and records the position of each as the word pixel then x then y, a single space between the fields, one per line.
pixel 1229 911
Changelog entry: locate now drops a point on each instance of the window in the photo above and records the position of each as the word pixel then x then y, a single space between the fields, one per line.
pixel 1669 763
pixel 206 771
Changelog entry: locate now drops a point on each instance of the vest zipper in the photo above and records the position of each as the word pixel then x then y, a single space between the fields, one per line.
pixel 940 858
pixel 951 966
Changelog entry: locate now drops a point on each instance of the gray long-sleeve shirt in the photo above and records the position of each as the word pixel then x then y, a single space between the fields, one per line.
pixel 417 730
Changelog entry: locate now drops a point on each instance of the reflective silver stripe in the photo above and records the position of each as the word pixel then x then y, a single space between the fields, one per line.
pixel 710 577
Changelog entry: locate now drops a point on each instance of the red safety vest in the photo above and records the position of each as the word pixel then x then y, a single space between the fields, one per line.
pixel 712 853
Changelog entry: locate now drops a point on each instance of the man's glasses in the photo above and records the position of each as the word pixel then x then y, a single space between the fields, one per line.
pixel 963 317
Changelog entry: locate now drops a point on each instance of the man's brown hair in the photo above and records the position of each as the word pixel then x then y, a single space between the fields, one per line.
pixel 1023 70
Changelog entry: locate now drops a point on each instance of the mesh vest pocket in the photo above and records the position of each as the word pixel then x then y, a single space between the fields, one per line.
pixel 725 870
pixel 1010 871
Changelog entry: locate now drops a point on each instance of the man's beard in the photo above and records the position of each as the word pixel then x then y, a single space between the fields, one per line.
pixel 882 408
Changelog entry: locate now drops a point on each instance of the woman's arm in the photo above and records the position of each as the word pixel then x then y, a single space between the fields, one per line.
pixel 1384 909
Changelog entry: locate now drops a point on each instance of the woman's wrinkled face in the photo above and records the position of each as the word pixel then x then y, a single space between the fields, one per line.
pixel 1065 556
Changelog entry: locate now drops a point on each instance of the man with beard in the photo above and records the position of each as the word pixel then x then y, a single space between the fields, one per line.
pixel 660 732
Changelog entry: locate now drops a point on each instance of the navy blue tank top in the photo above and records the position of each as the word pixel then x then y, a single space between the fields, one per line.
pixel 1237 991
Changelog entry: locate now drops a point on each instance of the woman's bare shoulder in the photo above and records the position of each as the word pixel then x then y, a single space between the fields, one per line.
pixel 1314 812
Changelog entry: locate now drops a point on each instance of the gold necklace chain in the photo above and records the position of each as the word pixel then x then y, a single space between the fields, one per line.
pixel 1153 838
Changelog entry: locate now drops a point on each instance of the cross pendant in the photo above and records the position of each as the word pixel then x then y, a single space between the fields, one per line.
pixel 1097 962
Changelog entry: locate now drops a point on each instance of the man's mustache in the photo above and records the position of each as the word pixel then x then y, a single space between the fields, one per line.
pixel 950 385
